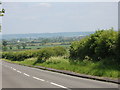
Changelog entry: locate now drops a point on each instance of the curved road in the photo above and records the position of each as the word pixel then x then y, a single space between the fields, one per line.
pixel 17 76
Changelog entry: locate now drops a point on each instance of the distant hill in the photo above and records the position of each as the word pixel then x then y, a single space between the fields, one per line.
pixel 45 35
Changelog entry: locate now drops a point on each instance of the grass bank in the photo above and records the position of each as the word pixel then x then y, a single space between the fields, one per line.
pixel 84 67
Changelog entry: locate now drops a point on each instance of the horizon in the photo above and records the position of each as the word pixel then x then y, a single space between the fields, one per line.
pixel 47 33
pixel 52 32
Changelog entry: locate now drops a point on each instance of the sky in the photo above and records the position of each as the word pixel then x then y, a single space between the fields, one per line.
pixel 50 17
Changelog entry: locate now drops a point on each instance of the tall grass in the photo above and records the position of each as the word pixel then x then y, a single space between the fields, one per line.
pixel 83 67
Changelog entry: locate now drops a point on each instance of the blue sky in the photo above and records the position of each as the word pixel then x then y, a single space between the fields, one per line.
pixel 49 17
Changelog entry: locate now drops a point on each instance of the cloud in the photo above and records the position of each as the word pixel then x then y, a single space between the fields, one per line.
pixel 44 4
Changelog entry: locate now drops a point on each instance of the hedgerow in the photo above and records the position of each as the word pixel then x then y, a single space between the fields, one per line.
pixel 18 56
pixel 41 54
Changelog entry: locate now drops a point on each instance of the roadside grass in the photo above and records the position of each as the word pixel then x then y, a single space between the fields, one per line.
pixel 83 67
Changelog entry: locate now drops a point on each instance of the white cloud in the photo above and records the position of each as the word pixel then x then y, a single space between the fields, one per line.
pixel 44 4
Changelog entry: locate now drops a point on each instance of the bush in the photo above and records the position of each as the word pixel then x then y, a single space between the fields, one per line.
pixel 97 46
pixel 59 51
pixel 46 53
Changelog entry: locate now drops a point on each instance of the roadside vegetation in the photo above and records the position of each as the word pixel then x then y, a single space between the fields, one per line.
pixel 96 54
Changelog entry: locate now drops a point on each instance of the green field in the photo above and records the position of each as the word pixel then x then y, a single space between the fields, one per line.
pixel 37 47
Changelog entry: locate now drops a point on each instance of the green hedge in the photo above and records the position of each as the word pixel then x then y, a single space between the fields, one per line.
pixel 18 56
pixel 42 54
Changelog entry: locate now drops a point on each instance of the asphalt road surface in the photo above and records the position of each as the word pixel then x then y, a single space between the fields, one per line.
pixel 17 76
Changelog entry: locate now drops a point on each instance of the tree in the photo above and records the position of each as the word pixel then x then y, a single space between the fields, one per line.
pixel 18 46
pixel 1 14
pixel 24 45
pixel 97 46
pixel 44 41
pixel 11 47
pixel 2 11
pixel 4 43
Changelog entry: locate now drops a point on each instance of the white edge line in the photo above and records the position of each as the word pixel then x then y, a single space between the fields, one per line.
pixel 58 85
pixel 19 71
pixel 14 69
pixel 38 79
pixel 26 74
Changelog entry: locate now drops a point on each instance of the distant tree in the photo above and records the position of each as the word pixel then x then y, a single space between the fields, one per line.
pixel 24 45
pixel 44 41
pixel 4 43
pixel 18 46
pixel 11 47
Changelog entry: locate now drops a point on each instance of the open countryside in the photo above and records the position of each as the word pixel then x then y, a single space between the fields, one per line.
pixel 66 46
pixel 83 56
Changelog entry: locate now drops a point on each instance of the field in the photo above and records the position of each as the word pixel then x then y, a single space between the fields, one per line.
pixel 35 47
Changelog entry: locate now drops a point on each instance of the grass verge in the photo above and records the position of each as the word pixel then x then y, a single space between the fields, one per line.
pixel 100 69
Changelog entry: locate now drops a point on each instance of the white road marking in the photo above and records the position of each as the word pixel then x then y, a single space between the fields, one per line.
pixel 19 71
pixel 14 69
pixel 60 86
pixel 38 79
pixel 26 74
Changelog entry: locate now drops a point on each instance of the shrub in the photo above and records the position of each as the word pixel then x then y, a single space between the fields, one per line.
pixel 97 46
pixel 59 51
pixel 46 53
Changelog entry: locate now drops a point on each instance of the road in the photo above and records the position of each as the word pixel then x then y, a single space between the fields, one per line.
pixel 17 76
